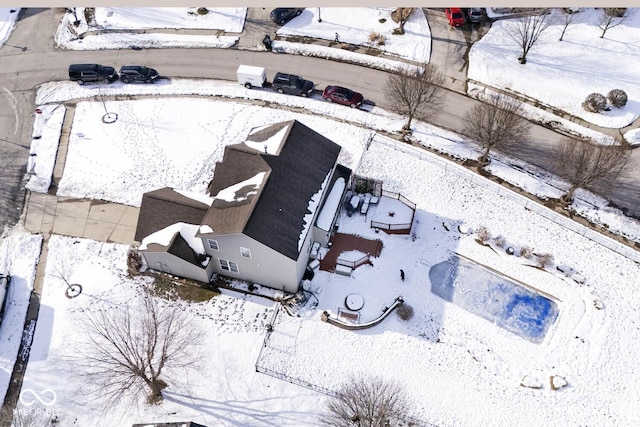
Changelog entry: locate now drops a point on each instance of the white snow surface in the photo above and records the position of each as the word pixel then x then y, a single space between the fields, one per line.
pixel 271 145
pixel 228 19
pixel 331 205
pixel 312 207
pixel 229 194
pixel 163 237
pixel 8 17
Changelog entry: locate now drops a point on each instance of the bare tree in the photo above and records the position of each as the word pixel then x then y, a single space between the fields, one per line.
pixel 583 163
pixel 133 348
pixel 611 17
pixel 496 123
pixel 568 17
pixel 366 402
pixel 527 30
pixel 400 16
pixel 415 93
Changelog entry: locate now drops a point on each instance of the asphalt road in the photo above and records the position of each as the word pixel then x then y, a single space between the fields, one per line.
pixel 29 59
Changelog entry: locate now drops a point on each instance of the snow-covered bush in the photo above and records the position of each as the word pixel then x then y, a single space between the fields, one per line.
pixel 405 311
pixel 545 260
pixel 595 102
pixel 557 382
pixel 526 252
pixel 377 38
pixel 483 234
pixel 617 98
pixel 500 241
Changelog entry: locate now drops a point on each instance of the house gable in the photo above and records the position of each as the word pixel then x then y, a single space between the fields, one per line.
pixel 166 206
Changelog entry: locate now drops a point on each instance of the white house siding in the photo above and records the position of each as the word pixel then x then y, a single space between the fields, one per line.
pixel 266 266
pixel 321 236
pixel 168 263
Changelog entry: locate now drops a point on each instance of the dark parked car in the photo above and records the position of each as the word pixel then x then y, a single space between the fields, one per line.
pixel 342 95
pixel 92 73
pixel 282 15
pixel 455 16
pixel 291 84
pixel 137 73
pixel 5 280
pixel 474 14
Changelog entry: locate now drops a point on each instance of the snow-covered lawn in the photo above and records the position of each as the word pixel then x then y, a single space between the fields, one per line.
pixel 182 142
pixel 228 19
pixel 562 73
pixel 142 21
pixel 356 26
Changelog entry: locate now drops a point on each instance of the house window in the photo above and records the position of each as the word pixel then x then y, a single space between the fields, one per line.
pixel 213 244
pixel 228 265
pixel 245 252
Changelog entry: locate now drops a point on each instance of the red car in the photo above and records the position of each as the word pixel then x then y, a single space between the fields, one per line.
pixel 455 16
pixel 342 95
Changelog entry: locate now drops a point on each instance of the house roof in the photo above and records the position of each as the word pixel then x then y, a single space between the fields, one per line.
pixel 164 207
pixel 291 162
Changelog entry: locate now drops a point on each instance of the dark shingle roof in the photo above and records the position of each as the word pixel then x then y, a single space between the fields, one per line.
pixel 238 165
pixel 274 213
pixel 297 173
pixel 164 207
pixel 180 248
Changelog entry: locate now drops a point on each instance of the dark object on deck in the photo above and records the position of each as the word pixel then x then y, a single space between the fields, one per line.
pixel 402 275
pixel 266 41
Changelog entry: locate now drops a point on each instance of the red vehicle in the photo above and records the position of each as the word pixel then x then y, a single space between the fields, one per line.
pixel 342 95
pixel 455 16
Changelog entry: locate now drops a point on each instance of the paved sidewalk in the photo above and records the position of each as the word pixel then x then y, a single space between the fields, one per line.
pixel 91 219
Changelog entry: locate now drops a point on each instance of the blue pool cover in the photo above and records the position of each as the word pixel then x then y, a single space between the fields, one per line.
pixel 491 296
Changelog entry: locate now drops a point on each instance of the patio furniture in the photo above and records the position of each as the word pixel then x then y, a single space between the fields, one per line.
pixel 365 204
pixel 353 204
pixel 343 270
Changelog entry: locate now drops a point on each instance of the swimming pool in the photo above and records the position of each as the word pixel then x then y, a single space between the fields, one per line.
pixel 493 297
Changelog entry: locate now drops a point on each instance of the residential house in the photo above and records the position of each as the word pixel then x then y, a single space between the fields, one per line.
pixel 272 198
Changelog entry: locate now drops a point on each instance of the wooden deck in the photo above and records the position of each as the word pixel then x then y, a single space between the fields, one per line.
pixel 341 242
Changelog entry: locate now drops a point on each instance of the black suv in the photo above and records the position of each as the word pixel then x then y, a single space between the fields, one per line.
pixel 282 15
pixel 137 73
pixel 290 84
pixel 92 73
pixel 4 292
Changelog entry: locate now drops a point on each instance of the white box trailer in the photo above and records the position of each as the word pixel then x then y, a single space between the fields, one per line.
pixel 250 76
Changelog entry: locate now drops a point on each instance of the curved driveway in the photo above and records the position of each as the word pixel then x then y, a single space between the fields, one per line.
pixel 29 59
